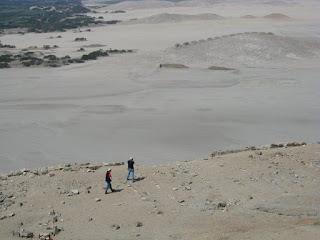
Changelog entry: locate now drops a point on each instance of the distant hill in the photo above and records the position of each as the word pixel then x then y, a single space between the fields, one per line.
pixel 167 17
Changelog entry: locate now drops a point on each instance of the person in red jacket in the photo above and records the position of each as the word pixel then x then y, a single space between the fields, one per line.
pixel 108 181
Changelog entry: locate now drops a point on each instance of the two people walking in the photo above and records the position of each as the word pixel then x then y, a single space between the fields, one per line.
pixel 108 178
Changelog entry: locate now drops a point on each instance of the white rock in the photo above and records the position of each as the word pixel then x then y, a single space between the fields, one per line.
pixel 75 191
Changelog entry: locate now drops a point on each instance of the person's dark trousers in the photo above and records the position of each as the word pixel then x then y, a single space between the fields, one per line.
pixel 130 172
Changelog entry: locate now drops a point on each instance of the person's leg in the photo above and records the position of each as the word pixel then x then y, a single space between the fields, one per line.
pixel 110 187
pixel 106 187
pixel 132 171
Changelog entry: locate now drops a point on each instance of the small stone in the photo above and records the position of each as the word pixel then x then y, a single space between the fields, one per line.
pixel 159 212
pixel 51 174
pixel 3 177
pixel 139 224
pixel 115 226
pixel 56 230
pixel 75 191
pixel 44 171
pixel 12 214
pixel 55 219
pixel 174 189
pixel 52 213
pixel 44 236
pixel 3 217
pixel 181 201
pixel 97 199
pixel 188 188
pixel 25 234
pixel 221 205
pixel 90 219
pixel 94 167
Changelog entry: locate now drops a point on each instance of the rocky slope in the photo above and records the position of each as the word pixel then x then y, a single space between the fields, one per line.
pixel 253 193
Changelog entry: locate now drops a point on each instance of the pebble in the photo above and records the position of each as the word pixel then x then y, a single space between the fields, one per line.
pixel 139 224
pixel 75 191
pixel 97 199
pixel 115 226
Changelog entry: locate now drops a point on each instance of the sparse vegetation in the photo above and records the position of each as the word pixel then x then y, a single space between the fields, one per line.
pixel 80 39
pixel 31 58
pixel 6 45
pixel 218 68
pixel 94 55
pixel 43 16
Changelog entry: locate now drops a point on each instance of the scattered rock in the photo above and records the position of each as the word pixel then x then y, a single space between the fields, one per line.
pixel 274 145
pixel 97 199
pixel 25 234
pixel 113 164
pixel 3 177
pixel 295 144
pixel 159 212
pixel 217 68
pixel 94 167
pixel 172 65
pixel 44 236
pixel 221 205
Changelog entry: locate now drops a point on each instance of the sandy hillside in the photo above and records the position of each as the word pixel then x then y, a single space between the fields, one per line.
pixel 249 49
pixel 174 18
pixel 252 194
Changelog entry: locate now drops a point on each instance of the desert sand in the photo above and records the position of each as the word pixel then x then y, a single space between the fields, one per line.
pixel 267 193
pixel 123 105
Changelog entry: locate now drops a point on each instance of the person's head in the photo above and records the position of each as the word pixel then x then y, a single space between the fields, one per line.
pixel 131 158
pixel 109 170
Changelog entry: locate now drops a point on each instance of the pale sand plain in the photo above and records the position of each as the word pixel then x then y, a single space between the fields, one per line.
pixel 123 105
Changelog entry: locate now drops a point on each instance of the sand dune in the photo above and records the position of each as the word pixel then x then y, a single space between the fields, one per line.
pixel 277 16
pixel 141 4
pixel 250 49
pixel 174 18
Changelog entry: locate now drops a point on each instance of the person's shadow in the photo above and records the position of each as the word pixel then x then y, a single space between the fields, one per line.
pixel 117 190
pixel 138 179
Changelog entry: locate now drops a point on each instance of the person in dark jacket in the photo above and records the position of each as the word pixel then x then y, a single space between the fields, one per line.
pixel 130 169
pixel 108 181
